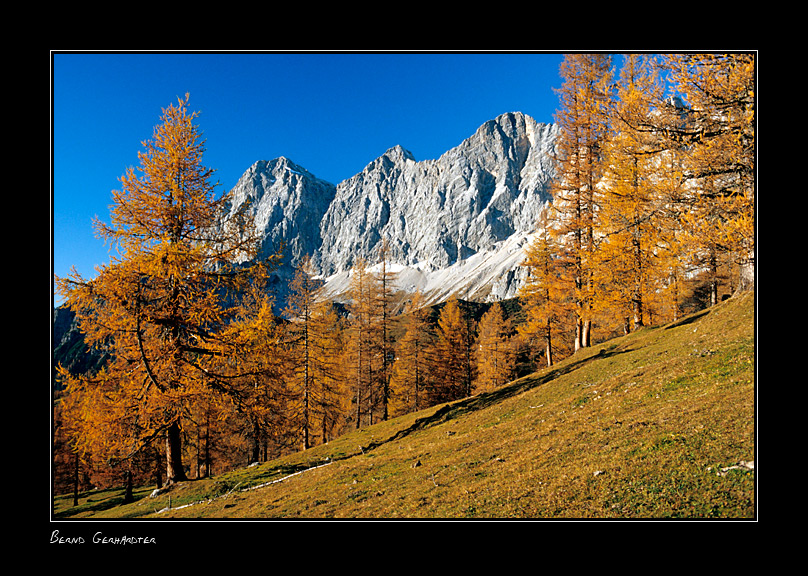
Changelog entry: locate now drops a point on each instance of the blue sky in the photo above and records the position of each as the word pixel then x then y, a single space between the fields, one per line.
pixel 332 113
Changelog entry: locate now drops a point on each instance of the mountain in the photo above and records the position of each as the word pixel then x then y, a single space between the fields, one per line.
pixel 456 224
pixel 69 348
pixel 288 203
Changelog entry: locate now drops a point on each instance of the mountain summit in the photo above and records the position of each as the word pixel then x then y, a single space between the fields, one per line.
pixel 455 225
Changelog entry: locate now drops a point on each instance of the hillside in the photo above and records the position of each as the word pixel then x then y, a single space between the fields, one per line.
pixel 656 424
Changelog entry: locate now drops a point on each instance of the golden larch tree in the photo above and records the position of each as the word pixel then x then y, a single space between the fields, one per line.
pixel 164 304
pixel 716 143
pixel 304 291
pixel 583 120
pixel 453 365
pixel 261 373
pixel 495 355
pixel 363 342
pixel 414 354
pixel 331 400
pixel 386 279
pixel 316 344
pixel 626 263
pixel 545 296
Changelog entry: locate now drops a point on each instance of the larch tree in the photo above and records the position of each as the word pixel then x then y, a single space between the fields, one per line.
pixel 386 278
pixel 629 203
pixel 317 348
pixel 453 363
pixel 370 339
pixel 414 354
pixel 544 295
pixel 495 356
pixel 164 304
pixel 716 141
pixel 583 121
pixel 262 368
pixel 671 187
pixel 331 399
pixel 362 341
pixel 304 292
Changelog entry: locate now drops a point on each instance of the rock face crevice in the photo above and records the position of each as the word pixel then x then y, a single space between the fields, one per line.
pixel 467 206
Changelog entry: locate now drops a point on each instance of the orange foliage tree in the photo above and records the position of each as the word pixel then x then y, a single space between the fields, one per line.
pixel 414 352
pixel 331 396
pixel 316 345
pixel 545 295
pixel 496 359
pixel 165 304
pixel 362 350
pixel 584 130
pixel 453 369
pixel 627 257
pixel 716 141
pixel 304 290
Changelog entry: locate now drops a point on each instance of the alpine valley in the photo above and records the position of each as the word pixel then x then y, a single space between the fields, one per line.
pixel 455 226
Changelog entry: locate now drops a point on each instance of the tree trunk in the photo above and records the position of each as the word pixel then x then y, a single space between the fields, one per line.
pixel 586 334
pixel 256 442
pixel 746 280
pixel 198 453
pixel 638 313
pixel 208 463
pixel 713 280
pixel 174 468
pixel 128 495
pixel 158 470
pixel 76 482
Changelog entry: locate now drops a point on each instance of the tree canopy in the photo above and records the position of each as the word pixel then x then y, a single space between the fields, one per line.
pixel 168 305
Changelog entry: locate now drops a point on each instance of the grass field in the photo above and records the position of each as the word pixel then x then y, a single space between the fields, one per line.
pixel 656 424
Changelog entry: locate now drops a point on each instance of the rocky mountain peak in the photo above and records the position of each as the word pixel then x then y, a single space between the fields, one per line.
pixel 398 154
pixel 435 214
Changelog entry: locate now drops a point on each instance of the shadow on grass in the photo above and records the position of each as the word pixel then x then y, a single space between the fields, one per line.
pixel 483 400
pixel 275 473
pixel 99 502
pixel 688 320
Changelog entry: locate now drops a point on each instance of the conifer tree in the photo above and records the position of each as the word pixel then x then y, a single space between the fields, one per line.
pixel 316 342
pixel 629 215
pixel 453 366
pixel 414 356
pixel 584 128
pixel 385 281
pixel 262 369
pixel 363 341
pixel 716 142
pixel 164 304
pixel 544 295
pixel 303 294
pixel 330 400
pixel 672 256
pixel 494 354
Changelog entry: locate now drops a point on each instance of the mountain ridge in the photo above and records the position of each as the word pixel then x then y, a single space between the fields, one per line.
pixel 459 223
pixel 471 203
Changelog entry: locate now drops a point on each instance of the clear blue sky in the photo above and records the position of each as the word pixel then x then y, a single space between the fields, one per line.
pixel 331 113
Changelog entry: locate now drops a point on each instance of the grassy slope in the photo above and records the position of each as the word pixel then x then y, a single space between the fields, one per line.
pixel 636 427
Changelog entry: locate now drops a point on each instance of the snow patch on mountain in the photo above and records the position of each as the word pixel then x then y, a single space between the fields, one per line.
pixel 488 275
